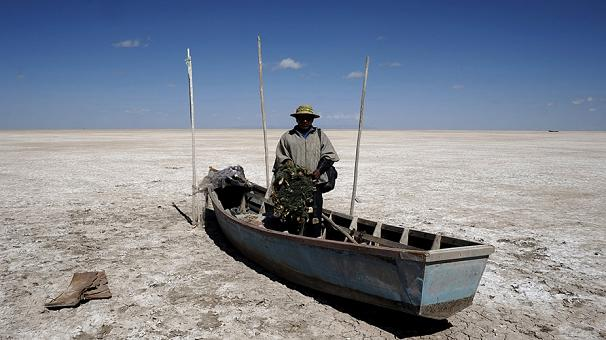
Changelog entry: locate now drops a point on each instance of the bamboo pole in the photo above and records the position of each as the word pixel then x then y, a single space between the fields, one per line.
pixel 263 115
pixel 360 123
pixel 194 188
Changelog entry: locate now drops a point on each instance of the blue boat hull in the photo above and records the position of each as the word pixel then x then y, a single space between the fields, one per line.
pixel 411 281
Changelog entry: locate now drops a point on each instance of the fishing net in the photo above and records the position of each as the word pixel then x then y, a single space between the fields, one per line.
pixel 293 191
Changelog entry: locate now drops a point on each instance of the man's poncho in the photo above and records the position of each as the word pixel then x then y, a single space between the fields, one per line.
pixel 305 152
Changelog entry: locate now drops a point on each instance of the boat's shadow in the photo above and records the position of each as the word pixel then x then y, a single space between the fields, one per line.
pixel 399 324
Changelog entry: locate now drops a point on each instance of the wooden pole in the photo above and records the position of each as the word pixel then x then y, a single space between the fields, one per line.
pixel 267 177
pixel 360 123
pixel 194 188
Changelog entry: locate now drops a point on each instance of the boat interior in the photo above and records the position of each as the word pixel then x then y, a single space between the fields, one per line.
pixel 249 204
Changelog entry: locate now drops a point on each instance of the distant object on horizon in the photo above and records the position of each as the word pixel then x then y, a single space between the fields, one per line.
pixel 553 130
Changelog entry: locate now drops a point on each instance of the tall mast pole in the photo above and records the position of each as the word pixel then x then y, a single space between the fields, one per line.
pixel 194 187
pixel 360 123
pixel 263 113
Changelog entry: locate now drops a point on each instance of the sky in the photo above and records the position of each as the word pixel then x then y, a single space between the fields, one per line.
pixel 463 65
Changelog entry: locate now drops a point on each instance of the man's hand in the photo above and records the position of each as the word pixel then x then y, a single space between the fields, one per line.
pixel 316 174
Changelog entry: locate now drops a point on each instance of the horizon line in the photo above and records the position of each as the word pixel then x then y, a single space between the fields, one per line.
pixel 283 129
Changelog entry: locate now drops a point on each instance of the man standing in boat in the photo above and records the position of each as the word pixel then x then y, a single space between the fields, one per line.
pixel 309 147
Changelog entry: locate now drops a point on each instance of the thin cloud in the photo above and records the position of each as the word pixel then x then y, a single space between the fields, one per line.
pixel 458 86
pixel 381 38
pixel 591 109
pixel 310 75
pixel 354 75
pixel 288 64
pixel 391 64
pixel 20 76
pixel 137 110
pixel 578 101
pixel 340 116
pixel 582 100
pixel 130 43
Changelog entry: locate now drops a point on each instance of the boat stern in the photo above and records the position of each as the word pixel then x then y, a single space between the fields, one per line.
pixel 449 285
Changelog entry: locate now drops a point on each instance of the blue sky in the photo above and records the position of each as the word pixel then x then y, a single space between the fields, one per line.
pixel 521 65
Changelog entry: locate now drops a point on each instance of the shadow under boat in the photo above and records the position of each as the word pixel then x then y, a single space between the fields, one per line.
pixel 400 324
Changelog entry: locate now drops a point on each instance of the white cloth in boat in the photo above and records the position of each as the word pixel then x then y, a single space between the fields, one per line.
pixel 305 150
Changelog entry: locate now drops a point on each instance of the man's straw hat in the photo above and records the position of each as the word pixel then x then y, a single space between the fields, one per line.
pixel 305 110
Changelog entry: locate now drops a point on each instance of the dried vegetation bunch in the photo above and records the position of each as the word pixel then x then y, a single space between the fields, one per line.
pixel 293 191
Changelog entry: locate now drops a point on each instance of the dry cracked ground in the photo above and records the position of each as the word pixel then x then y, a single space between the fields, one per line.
pixel 102 200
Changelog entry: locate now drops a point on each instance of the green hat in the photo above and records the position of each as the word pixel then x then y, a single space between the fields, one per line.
pixel 305 110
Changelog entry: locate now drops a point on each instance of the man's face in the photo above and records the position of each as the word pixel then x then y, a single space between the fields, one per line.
pixel 304 121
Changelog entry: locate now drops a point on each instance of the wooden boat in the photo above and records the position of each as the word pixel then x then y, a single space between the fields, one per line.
pixel 416 272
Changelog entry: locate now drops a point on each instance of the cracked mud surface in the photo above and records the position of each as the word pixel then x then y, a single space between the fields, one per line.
pixel 101 200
